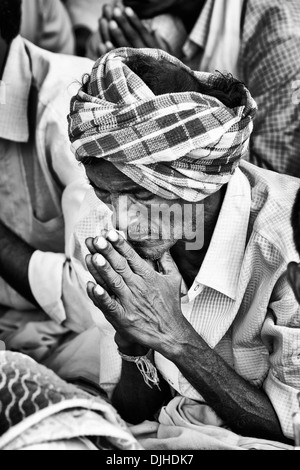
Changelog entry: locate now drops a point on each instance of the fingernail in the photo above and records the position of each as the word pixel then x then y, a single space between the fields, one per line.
pixel 109 45
pixel 101 243
pixel 113 24
pixel 91 285
pixel 113 236
pixel 129 11
pixel 88 258
pixel 98 290
pixel 117 11
pixel 99 260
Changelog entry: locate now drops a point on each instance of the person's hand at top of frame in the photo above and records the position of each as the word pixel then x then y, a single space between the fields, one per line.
pixel 120 26
pixel 151 8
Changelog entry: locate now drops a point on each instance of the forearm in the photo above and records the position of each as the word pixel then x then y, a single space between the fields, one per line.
pixel 244 408
pixel 134 400
pixel 15 256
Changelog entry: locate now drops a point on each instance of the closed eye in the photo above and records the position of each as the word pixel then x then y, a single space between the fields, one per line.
pixel 94 186
pixel 144 195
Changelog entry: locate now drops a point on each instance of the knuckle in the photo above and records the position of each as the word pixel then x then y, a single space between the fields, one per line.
pixel 129 253
pixel 121 267
pixel 117 283
pixel 112 306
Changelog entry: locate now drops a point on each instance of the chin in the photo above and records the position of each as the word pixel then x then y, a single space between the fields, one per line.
pixel 152 250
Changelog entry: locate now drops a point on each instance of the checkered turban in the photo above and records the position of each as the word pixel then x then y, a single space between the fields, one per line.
pixel 184 145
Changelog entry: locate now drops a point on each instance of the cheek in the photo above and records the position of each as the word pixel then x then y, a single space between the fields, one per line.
pixel 128 212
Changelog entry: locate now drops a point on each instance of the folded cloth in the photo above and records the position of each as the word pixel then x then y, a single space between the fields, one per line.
pixel 37 404
pixel 183 145
pixel 187 424
pixel 71 356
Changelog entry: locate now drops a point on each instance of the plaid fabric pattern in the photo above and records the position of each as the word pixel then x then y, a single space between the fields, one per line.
pixel 176 145
pixel 270 66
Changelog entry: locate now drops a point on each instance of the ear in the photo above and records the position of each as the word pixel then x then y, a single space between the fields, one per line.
pixel 293 275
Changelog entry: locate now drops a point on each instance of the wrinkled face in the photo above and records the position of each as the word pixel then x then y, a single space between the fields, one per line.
pixel 152 224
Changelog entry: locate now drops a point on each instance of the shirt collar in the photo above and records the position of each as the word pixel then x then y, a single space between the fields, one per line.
pixel 222 264
pixel 17 81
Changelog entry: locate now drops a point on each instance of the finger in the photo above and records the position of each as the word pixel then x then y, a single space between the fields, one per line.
pixel 112 279
pixel 104 30
pixel 167 265
pixel 89 241
pixel 108 306
pixel 101 50
pixel 132 35
pixel 107 11
pixel 109 46
pixel 117 36
pixel 136 263
pixel 95 273
pixel 116 261
pixel 90 245
pixel 90 292
pixel 146 36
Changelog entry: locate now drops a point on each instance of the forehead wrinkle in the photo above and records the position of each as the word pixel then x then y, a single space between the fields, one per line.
pixel 111 179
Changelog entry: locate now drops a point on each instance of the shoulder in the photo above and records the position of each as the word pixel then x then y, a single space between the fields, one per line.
pixel 58 76
pixel 271 14
pixel 272 198
pixel 58 69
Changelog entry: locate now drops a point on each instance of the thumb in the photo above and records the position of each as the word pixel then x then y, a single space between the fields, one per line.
pixel 167 265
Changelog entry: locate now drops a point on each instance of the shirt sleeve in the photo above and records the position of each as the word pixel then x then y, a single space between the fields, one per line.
pixel 281 334
pixel 269 64
pixel 52 276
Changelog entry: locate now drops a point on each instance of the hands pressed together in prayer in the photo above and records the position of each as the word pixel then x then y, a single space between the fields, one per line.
pixel 120 26
pixel 144 308
pixel 142 305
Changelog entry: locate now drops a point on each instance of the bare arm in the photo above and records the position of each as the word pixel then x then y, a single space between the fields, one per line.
pixel 147 311
pixel 134 400
pixel 246 409
pixel 15 255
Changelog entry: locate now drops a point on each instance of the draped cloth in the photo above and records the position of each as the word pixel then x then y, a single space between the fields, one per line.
pixel 37 407
pixel 184 145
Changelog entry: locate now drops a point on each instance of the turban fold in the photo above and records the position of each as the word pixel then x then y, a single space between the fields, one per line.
pixel 184 144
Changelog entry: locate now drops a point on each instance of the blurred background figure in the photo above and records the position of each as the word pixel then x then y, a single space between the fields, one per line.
pixel 84 16
pixel 41 190
pixel 164 30
pixel 48 25
pixel 258 42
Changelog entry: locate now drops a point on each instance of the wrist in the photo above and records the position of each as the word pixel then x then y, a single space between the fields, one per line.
pixel 129 348
pixel 178 345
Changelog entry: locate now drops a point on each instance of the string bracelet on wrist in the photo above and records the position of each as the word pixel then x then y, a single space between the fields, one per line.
pixel 145 366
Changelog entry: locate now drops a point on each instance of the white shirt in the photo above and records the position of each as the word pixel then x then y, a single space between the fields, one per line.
pixel 41 190
pixel 240 301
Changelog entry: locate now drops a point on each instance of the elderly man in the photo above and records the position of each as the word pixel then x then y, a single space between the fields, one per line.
pixel 256 41
pixel 41 189
pixel 215 320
